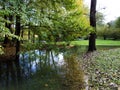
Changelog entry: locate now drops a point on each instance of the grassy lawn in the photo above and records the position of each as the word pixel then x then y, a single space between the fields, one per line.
pixel 98 42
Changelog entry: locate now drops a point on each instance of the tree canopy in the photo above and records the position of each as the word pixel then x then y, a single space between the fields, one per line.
pixel 117 22
pixel 50 20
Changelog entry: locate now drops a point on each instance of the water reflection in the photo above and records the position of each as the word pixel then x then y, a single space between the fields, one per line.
pixel 35 60
pixel 9 73
pixel 13 73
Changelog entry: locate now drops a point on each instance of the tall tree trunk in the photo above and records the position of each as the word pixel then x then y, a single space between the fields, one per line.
pixel 11 18
pixel 92 38
pixel 9 26
pixel 17 32
pixel 29 34
pixel 33 39
pixel 6 40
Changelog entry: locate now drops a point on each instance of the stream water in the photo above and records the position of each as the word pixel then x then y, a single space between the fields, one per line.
pixel 13 73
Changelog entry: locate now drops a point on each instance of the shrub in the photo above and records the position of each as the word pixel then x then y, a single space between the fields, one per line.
pixel 109 34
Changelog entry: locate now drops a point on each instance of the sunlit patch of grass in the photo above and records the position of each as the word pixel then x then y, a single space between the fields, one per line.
pixel 98 42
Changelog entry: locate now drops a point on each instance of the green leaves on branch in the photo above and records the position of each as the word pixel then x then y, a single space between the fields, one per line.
pixel 51 20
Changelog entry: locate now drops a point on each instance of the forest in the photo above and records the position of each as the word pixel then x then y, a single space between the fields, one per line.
pixel 57 45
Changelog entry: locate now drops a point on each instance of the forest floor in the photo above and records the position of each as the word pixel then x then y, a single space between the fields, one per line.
pixel 102 67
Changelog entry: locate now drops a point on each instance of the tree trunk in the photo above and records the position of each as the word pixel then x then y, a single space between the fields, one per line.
pixel 33 39
pixel 29 38
pixel 92 38
pixel 9 26
pixel 17 32
pixel 92 42
pixel 6 40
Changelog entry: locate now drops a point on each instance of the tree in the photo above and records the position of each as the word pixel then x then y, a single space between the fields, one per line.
pixel 117 22
pixel 50 20
pixel 99 19
pixel 92 37
pixel 60 21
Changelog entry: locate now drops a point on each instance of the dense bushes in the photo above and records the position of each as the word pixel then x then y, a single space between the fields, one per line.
pixel 1 39
pixel 109 33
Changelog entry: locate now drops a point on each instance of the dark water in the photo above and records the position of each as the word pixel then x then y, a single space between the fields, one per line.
pixel 17 75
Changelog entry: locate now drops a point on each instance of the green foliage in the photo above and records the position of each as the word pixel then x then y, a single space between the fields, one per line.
pixel 52 21
pixel 1 50
pixel 99 19
pixel 60 23
pixel 117 23
pixel 115 34
pixel 5 31
pixel 112 33
pixel 6 11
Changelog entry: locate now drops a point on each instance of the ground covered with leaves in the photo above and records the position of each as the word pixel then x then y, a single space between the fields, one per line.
pixel 103 69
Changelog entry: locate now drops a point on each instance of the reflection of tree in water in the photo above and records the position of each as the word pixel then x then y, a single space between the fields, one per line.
pixel 14 73
pixel 34 69
pixel 9 73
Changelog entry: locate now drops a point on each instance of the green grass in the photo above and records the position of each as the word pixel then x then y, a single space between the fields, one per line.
pixel 98 42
